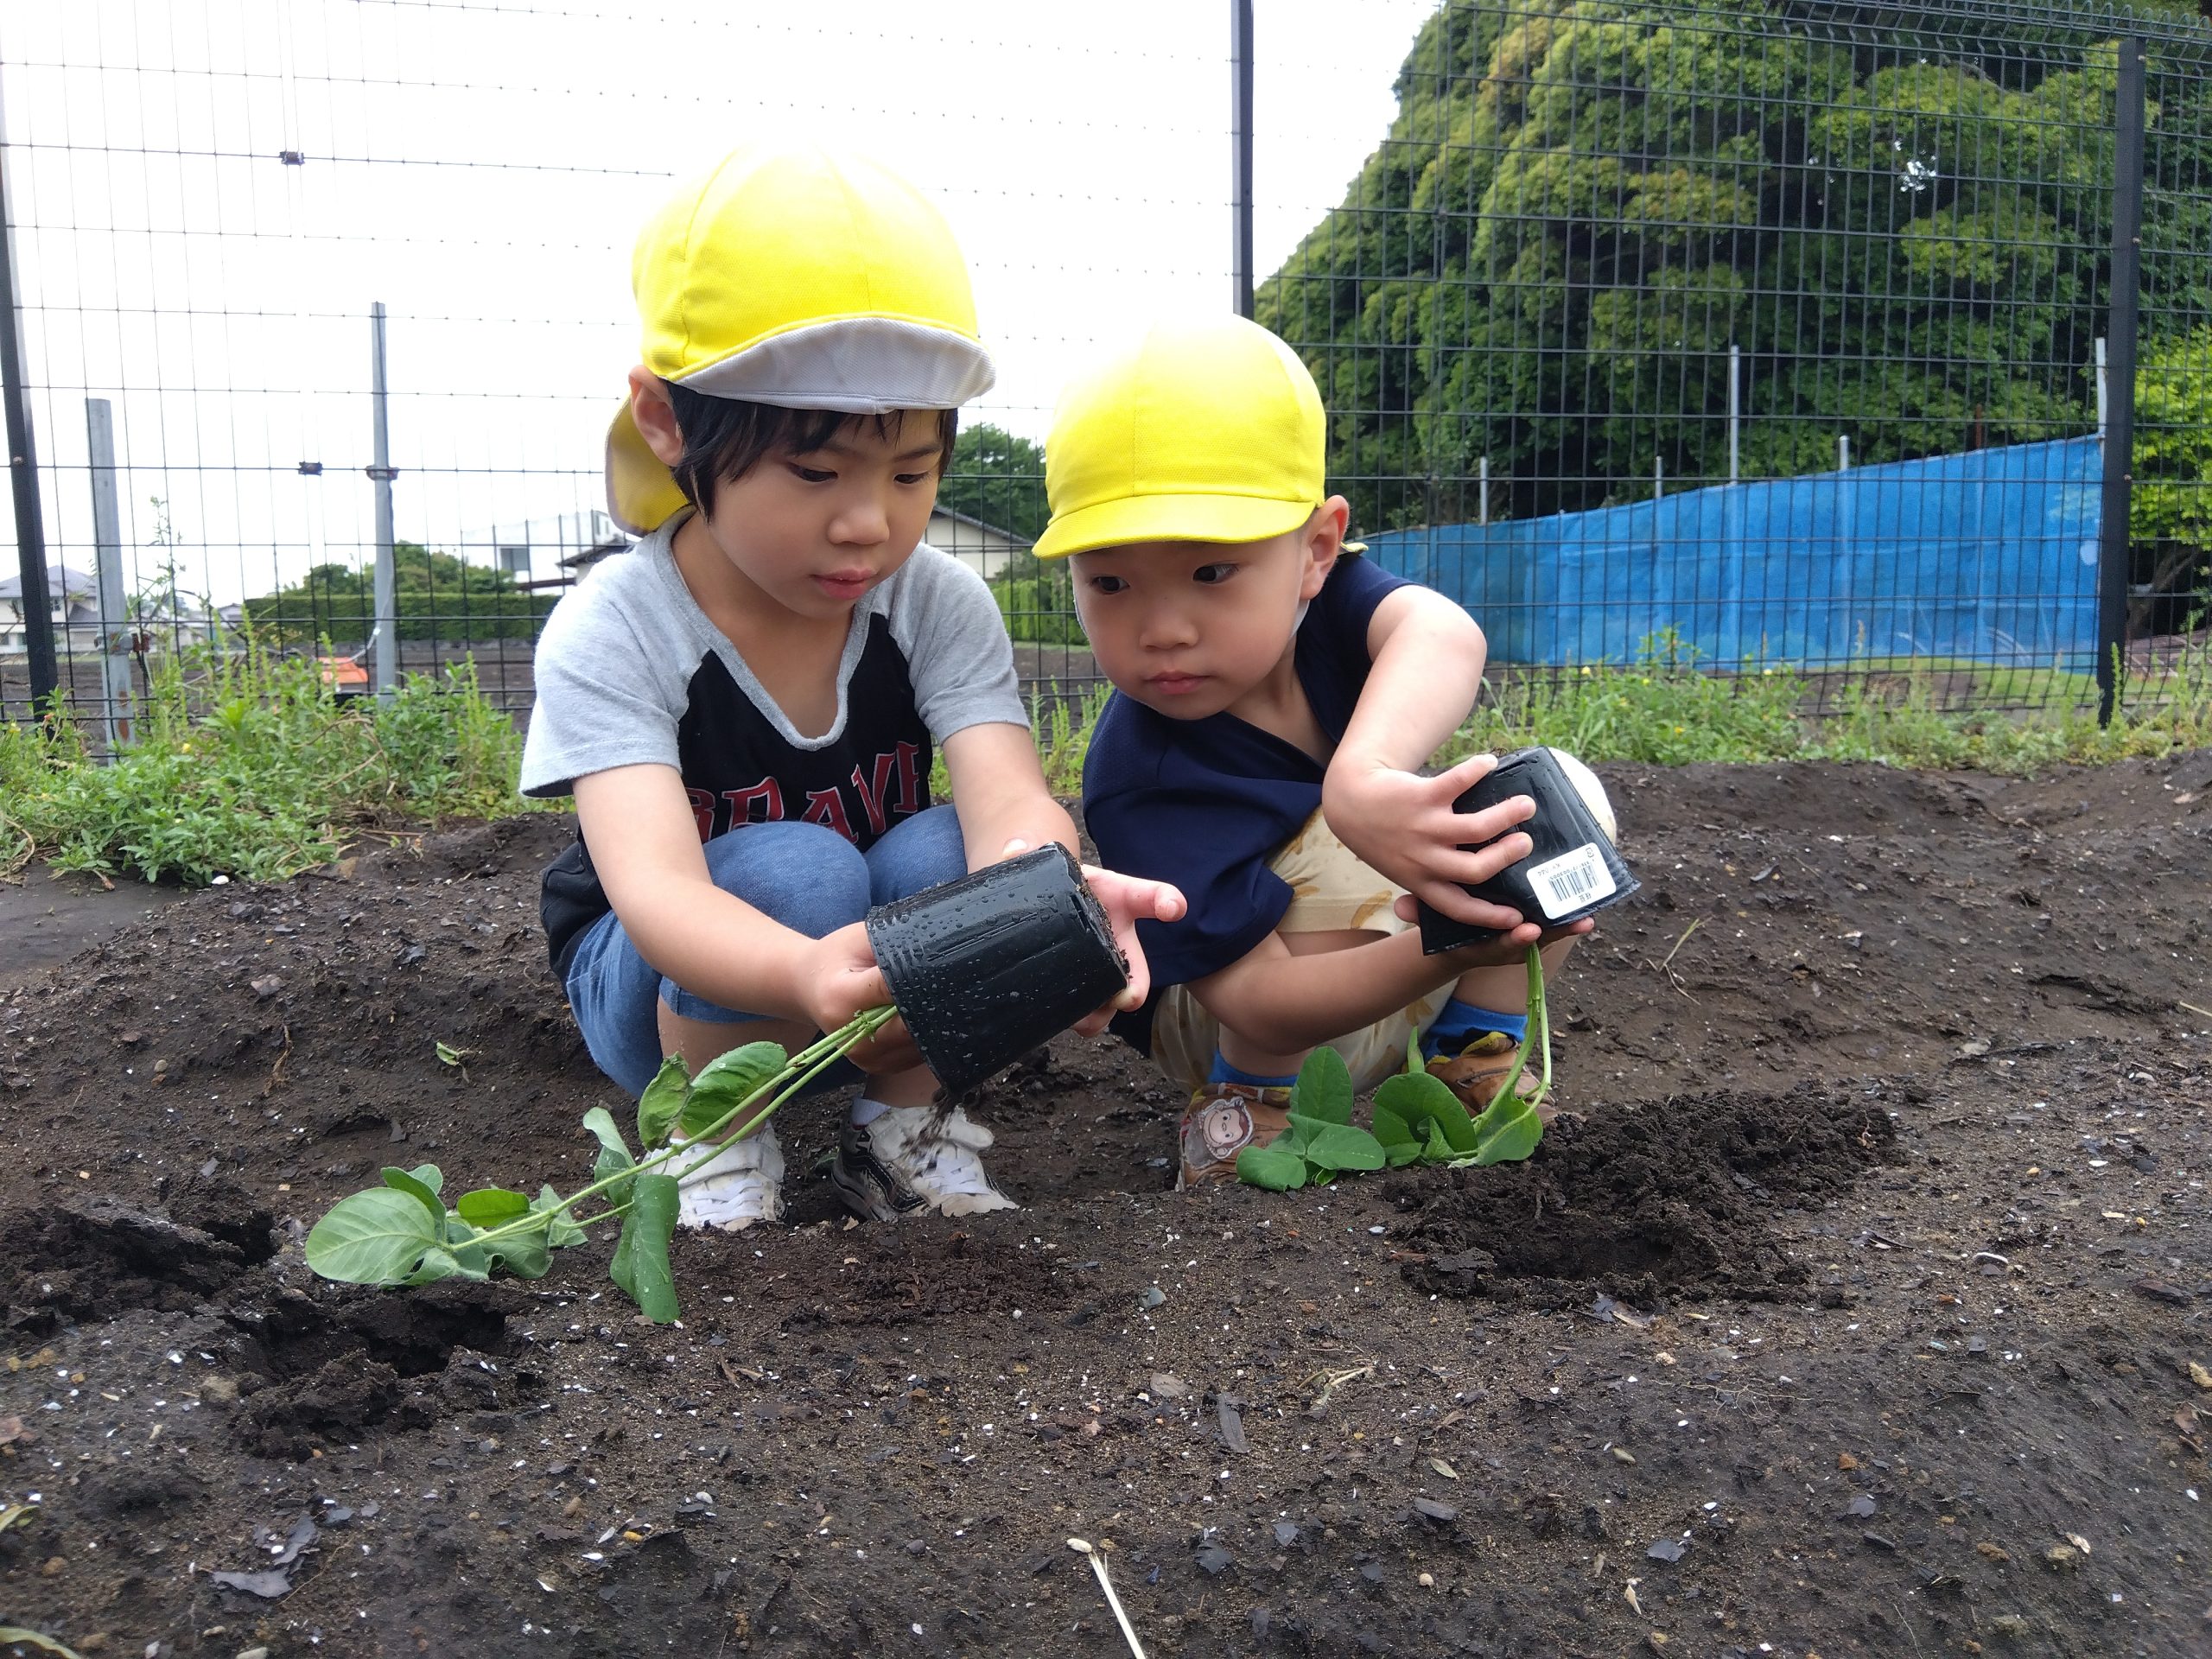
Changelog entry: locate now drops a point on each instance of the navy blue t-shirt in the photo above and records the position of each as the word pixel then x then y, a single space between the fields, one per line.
pixel 1206 804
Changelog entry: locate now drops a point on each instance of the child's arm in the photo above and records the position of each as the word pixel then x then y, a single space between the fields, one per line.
pixel 998 789
pixel 1285 1002
pixel 645 845
pixel 1428 657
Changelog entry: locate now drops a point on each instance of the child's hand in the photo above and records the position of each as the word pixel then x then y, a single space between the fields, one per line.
pixel 1126 900
pixel 1403 825
pixel 1509 949
pixel 841 978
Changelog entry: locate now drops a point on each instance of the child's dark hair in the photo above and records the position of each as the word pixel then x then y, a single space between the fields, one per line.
pixel 726 437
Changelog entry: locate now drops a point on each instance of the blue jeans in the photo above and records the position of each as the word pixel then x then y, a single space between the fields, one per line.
pixel 806 876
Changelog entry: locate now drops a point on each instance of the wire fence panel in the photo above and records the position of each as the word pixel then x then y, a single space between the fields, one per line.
pixel 1773 334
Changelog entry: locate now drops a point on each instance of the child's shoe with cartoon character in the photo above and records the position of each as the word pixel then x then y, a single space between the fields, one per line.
pixel 1220 1121
pixel 1475 1072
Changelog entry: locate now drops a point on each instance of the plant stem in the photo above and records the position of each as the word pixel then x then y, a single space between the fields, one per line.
pixel 797 1072
pixel 1539 1018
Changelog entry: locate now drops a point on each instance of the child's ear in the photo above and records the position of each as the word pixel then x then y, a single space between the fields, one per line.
pixel 655 416
pixel 1321 540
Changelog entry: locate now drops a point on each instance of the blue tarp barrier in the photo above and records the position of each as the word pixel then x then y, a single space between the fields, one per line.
pixel 1989 556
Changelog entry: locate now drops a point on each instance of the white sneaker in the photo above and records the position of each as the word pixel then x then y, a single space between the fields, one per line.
pixel 741 1184
pixel 915 1158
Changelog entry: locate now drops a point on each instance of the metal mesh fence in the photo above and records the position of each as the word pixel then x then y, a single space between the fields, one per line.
pixel 1776 336
pixel 1770 333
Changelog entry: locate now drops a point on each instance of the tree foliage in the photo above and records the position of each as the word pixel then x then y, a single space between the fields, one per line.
pixel 1581 206
pixel 436 596
pixel 998 478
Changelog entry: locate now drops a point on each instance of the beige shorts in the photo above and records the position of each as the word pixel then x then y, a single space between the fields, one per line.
pixel 1330 891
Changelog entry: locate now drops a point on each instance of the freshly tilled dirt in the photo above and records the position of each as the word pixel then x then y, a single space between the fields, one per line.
pixel 1863 1310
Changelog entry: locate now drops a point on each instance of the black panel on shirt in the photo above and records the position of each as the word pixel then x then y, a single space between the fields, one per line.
pixel 738 769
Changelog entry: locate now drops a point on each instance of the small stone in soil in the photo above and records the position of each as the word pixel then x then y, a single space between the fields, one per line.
pixel 1286 1534
pixel 1667 1549
pixel 1429 1509
pixel 1863 1506
pixel 1166 1385
pixel 1214 1561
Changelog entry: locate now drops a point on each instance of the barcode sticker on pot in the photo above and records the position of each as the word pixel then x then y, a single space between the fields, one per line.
pixel 1570 880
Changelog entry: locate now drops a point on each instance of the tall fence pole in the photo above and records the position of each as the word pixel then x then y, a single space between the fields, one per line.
pixel 387 624
pixel 1735 411
pixel 2119 366
pixel 115 610
pixel 22 458
pixel 1240 153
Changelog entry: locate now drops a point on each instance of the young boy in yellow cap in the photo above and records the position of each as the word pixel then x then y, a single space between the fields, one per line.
pixel 745 706
pixel 1274 693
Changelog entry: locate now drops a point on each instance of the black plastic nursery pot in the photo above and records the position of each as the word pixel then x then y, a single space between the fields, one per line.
pixel 1572 870
pixel 985 967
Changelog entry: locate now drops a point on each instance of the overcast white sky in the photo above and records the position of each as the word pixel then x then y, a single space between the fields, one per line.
pixel 482 169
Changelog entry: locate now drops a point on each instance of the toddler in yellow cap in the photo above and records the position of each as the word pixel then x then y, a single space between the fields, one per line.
pixel 1274 692
pixel 746 706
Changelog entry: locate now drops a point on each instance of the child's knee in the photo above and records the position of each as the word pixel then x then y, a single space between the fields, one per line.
pixel 804 875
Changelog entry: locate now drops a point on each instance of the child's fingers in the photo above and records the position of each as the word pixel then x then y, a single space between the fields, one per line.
pixel 1473 828
pixel 1473 869
pixel 1461 906
pixel 1455 781
pixel 890 1049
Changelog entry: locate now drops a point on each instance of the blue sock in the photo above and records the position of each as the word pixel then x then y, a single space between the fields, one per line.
pixel 1462 1022
pixel 1222 1071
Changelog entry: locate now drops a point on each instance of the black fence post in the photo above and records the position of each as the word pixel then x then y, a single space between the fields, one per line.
pixel 2119 371
pixel 22 466
pixel 1240 152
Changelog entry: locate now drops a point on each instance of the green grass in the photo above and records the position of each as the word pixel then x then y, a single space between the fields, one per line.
pixel 1668 709
pixel 243 765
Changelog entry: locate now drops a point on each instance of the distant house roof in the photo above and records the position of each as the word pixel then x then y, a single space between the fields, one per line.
pixel 941 510
pixel 61 582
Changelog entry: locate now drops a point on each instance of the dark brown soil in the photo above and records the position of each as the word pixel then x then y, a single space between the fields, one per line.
pixel 1868 1311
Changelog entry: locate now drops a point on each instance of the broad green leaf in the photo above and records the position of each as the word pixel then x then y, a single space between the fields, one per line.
pixel 613 1156
pixel 728 1082
pixel 1399 1145
pixel 425 1192
pixel 462 1245
pixel 663 1099
pixel 1324 1087
pixel 490 1206
pixel 438 1262
pixel 525 1253
pixel 640 1267
pixel 1342 1146
pixel 1435 1149
pixel 1420 1098
pixel 1298 1133
pixel 1508 1132
pixel 372 1238
pixel 1276 1167
pixel 562 1230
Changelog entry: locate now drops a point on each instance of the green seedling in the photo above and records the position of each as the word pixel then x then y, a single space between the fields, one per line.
pixel 402 1232
pixel 1418 1119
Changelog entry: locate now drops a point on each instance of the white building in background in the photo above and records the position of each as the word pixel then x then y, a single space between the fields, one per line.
pixel 984 548
pixel 72 603
pixel 547 552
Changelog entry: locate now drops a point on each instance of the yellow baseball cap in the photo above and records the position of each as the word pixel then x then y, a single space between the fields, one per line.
pixel 1205 429
pixel 802 278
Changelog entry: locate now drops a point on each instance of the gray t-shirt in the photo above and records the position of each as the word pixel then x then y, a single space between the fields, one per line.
pixel 629 672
